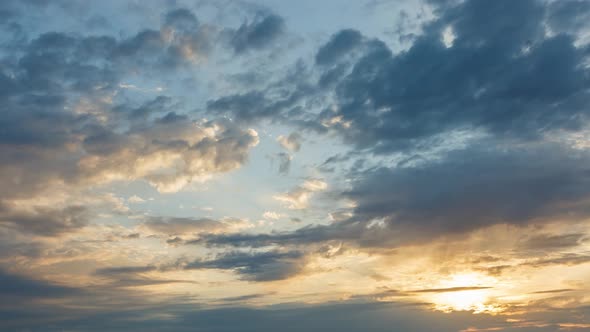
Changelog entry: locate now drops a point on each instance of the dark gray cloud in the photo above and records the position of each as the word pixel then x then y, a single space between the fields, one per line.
pixel 245 105
pixel 346 316
pixel 257 34
pixel 474 188
pixel 251 266
pixel 15 288
pixel 110 271
pixel 465 190
pixel 283 100
pixel 501 74
pixel 243 298
pixel 255 266
pixel 338 46
pixel 301 237
pixel 255 105
pixel 554 241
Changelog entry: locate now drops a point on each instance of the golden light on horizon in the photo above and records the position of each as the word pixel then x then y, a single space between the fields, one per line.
pixel 464 292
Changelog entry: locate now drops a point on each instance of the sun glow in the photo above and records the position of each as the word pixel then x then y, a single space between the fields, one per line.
pixel 465 292
pixel 469 300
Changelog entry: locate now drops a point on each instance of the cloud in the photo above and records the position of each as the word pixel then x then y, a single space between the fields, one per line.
pixel 568 16
pixel 550 260
pixel 552 291
pixel 564 259
pixel 298 198
pixel 284 162
pixel 247 106
pixel 108 271
pixel 460 192
pixel 135 199
pixel 243 298
pixel 189 41
pixel 255 266
pixel 282 101
pixel 179 42
pixel 503 76
pixel 346 316
pixel 484 81
pixel 257 34
pixel 171 153
pixel 473 188
pixel 134 276
pixel 554 242
pixel 16 288
pixel 186 226
pixel 62 125
pixel 339 44
pixel 271 215
pixel 42 220
pixel 449 289
pixel 304 236
pixel 291 143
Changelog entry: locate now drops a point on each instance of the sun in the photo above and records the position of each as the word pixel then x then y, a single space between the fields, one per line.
pixel 469 300
pixel 464 292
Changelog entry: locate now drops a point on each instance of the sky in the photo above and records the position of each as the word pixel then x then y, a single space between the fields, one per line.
pixel 334 165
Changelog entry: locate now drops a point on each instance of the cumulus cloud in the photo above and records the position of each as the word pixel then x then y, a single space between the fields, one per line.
pixel 61 125
pixel 507 79
pixel 170 154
